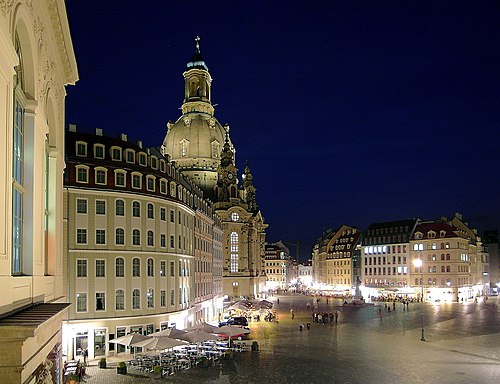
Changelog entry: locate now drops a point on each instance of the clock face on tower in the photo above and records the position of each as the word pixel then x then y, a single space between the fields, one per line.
pixel 230 176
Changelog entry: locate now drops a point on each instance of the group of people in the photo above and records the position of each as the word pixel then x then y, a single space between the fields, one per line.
pixel 325 317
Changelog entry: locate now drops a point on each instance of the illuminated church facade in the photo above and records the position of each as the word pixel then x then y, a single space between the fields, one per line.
pixel 202 150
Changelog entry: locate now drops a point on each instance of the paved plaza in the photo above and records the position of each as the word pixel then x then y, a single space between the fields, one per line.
pixel 462 346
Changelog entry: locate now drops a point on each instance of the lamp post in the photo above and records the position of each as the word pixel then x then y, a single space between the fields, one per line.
pixel 418 263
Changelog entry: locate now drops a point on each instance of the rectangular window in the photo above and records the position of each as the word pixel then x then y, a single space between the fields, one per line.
pixel 100 268
pixel 136 181
pixel 172 216
pixel 100 304
pixel 81 302
pixel 163 298
pixel 163 186
pixel 81 236
pixel 98 151
pixel 81 149
pixel 116 154
pixel 172 297
pixel 130 156
pixel 81 268
pixel 82 175
pixel 172 241
pixel 163 240
pixel 120 179
pixel 100 176
pixel 100 236
pixel 81 206
pixel 172 268
pixel 150 184
pixel 162 214
pixel 100 207
pixel 163 268
pixel 120 300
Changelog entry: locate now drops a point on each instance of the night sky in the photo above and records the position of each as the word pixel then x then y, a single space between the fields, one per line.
pixel 349 112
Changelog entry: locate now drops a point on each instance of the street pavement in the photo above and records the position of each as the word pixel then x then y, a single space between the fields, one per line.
pixel 462 346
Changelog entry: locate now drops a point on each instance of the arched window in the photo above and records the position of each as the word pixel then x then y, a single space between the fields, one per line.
pixel 136 299
pixel 234 248
pixel 447 268
pixel 442 268
pixel 136 267
pixel 151 238
pixel 151 211
pixel 184 147
pixel 120 267
pixel 136 209
pixel 120 236
pixel 136 237
pixel 120 208
pixel 120 300
pixel 215 149
pixel 151 267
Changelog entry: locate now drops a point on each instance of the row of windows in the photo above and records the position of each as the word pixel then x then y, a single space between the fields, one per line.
pixel 433 281
pixel 387 239
pixel 382 260
pixel 100 209
pixel 434 269
pixel 386 271
pixel 100 238
pixel 117 154
pixel 420 246
pixel 387 230
pixel 430 234
pixel 120 179
pixel 383 249
pixel 100 268
pixel 100 299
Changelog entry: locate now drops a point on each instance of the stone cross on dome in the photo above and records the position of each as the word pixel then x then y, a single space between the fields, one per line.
pixel 197 39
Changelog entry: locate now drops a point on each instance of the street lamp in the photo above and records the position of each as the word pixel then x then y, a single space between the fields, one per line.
pixel 418 263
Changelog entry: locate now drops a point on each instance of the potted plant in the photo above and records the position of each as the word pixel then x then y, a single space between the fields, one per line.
pixel 122 368
pixel 102 362
pixel 73 378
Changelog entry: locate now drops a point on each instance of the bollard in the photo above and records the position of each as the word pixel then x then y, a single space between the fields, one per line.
pixel 255 346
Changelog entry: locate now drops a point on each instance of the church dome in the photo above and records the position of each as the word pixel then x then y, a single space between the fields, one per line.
pixel 196 139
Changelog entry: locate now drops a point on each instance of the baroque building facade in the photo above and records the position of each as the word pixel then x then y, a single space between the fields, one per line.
pixel 36 63
pixel 202 149
pixel 143 245
pixel 435 260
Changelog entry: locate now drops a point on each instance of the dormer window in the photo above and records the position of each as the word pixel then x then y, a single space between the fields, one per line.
pixel 142 159
pixel 101 176
pixel 99 151
pixel 162 165
pixel 81 148
pixel 120 178
pixel 418 235
pixel 130 156
pixel 431 234
pixel 150 183
pixel 136 180
pixel 154 162
pixel 116 153
pixel 82 174
pixel 442 233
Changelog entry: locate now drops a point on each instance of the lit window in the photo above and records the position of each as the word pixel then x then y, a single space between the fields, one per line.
pixel 234 252
pixel 150 297
pixel 81 302
pixel 235 216
pixel 184 147
pixel 151 268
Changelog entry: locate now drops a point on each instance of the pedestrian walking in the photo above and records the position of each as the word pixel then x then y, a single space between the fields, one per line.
pixel 292 313
pixel 85 355
pixel 278 301
pixel 336 317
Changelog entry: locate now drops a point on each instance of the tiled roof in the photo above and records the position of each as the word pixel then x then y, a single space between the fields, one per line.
pixel 34 315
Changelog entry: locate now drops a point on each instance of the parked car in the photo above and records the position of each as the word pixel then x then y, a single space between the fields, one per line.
pixel 238 320
pixel 234 337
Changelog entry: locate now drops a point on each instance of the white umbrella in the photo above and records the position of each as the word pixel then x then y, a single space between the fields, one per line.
pixel 173 333
pixel 160 343
pixel 128 340
pixel 197 336
pixel 203 327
